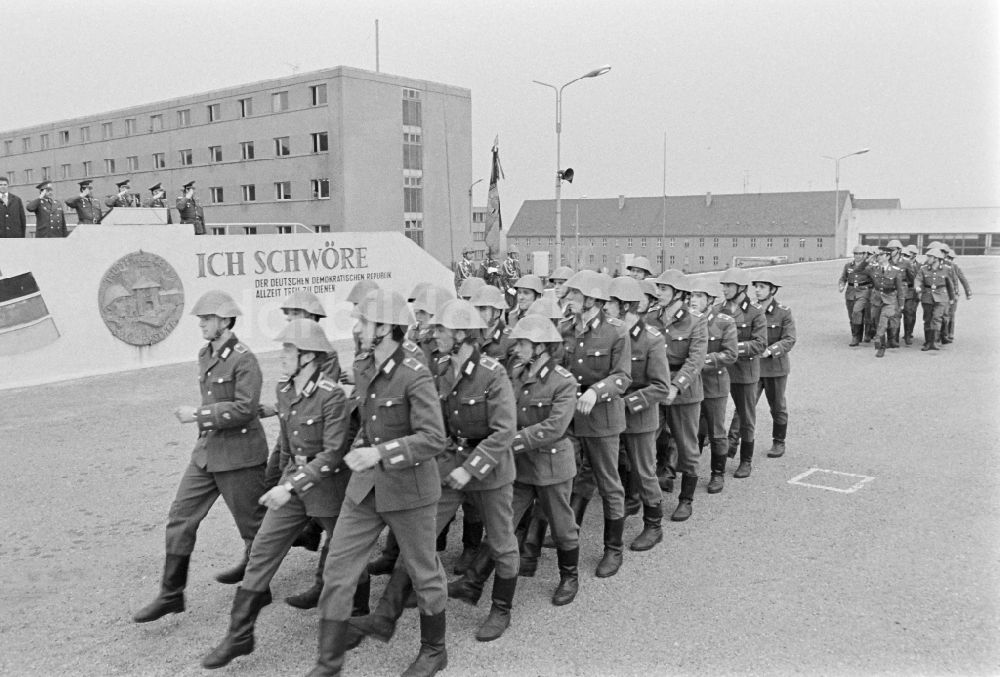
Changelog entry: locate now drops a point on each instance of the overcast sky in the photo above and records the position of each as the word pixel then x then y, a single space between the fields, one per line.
pixel 748 93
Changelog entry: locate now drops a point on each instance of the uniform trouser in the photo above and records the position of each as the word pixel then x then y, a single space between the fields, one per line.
pixel 885 315
pixel 641 450
pixel 684 426
pixel 599 469
pixel 856 308
pixel 948 324
pixel 354 538
pixel 774 388
pixel 197 493
pixel 666 446
pixel 744 411
pixel 274 539
pixel 496 508
pixel 910 315
pixel 934 315
pixel 713 412
pixel 553 500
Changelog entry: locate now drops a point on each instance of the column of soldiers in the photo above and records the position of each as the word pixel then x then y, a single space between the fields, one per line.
pixel 883 286
pixel 521 413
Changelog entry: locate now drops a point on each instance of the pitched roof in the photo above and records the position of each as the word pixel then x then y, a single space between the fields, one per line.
pixel 803 213
pixel 878 203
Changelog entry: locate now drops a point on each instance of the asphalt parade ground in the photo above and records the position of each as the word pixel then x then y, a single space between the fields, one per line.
pixel 871 547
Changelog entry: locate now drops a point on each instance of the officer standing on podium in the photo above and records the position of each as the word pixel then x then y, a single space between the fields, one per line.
pixel 190 209
pixel 88 209
pixel 49 218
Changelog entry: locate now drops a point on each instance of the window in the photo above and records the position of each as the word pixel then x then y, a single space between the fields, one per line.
pixel 673 259
pixel 413 151
pixel 107 130
pixel 218 230
pixel 411 108
pixel 715 260
pixel 479 236
pixel 701 260
pixel 802 243
pixel 283 190
pixel 215 153
pixel 29 175
pixel 109 166
pixel 46 173
pixel 317 93
pixel 687 243
pixel 246 108
pixel 629 243
pixel 87 168
pixel 279 102
pixel 249 191
pixel 642 243
pixel 216 194
pixel 159 160
pixel 736 242
pixel 8 147
pixel 590 258
pixel 214 112
pixel 129 126
pixel 672 242
pixel 322 228
pixel 186 157
pixel 156 123
pixel 10 177
pixel 753 242
pixel 284 230
pixel 65 171
pixel 659 243
pixel 819 242
pixel 320 189
pixel 246 150
pixel 282 146
pixel 26 144
pixel 414 229
pixel 659 259
pixel 132 162
pixel 84 134
pixel 64 137
pixel 604 258
pixel 44 141
pixel 552 241
pixel 769 242
pixel 413 198
pixel 319 142
pixel 784 242
pixel 249 230
pixel 701 242
pixel 802 258
pixel 184 117
pixel 715 242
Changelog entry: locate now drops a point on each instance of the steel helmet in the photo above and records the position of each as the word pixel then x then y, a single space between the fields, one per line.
pixel 894 244
pixel 467 249
pixel 547 307
pixel 860 249
pixel 383 306
pixel 670 276
pixel 590 283
pixel 648 287
pixel 641 263
pixel 304 300
pixel 417 290
pixel 470 285
pixel 431 298
pixel 699 285
pixel 682 283
pixel 766 278
pixel 936 244
pixel 536 329
pixel 737 276
pixel 561 273
pixel 459 314
pixel 935 252
pixel 360 290
pixel 911 249
pixel 512 249
pixel 625 289
pixel 488 296
pixel 305 335
pixel 532 282
pixel 218 303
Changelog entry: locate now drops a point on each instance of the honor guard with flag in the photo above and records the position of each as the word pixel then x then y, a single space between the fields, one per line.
pixel 49 218
pixel 88 208
pixel 190 209
pixel 466 268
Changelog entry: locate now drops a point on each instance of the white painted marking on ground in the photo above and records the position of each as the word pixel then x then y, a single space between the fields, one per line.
pixel 862 480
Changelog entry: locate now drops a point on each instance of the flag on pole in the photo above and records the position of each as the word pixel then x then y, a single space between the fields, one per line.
pixel 496 239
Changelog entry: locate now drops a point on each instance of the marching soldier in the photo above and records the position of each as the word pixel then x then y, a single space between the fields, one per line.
pixel 957 276
pixel 426 300
pixel 888 296
pixel 744 373
pixel 557 280
pixel 490 303
pixel 598 354
pixel 88 209
pixel 934 287
pixel 190 209
pixel 123 198
pixel 228 458
pixel 395 482
pixel 49 218
pixel 158 198
pixel 856 285
pixel 528 289
pixel 774 363
pixel 640 268
pixel 907 261
pixel 466 267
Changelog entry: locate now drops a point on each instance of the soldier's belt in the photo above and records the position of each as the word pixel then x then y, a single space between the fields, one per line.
pixel 467 442
pixel 302 460
pixel 676 367
pixel 860 285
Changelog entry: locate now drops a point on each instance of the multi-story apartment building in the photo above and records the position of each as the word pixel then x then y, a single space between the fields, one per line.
pixel 339 149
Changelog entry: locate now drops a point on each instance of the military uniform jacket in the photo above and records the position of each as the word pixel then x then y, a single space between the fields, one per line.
pixel 751 338
pixel 424 340
pixel 229 433
pixel 599 355
pixel 12 217
pixel 546 400
pixel 887 282
pixel 497 342
pixel 191 212
pixel 958 276
pixel 858 282
pixel 401 417
pixel 49 218
pixel 650 377
pixel 88 209
pixel 780 339
pixel 721 353
pixel 934 286
pixel 464 271
pixel 478 408
pixel 686 338
pixel 313 427
pixel 909 273
pixel 126 200
pixel 159 202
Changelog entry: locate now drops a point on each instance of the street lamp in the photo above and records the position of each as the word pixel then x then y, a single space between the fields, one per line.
pixel 560 173
pixel 836 209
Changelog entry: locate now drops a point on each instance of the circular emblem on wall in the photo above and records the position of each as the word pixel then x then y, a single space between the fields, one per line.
pixel 141 298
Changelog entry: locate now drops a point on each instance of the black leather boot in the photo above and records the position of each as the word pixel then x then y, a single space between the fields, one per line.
pixel 239 640
pixel 235 574
pixel 472 538
pixel 171 597
pixel 386 561
pixel 778 440
pixel 381 624
pixel 531 548
pixel 499 618
pixel 683 510
pixel 855 335
pixel 569 576
pixel 310 537
pixel 441 544
pixel 879 346
pixel 652 531
pixel 746 457
pixel 362 595
pixel 611 561
pixel 734 445
pixel 929 341
pixel 433 655
pixel 469 588
pixel 717 482
pixel 310 598
pixel 579 506
pixel 893 337
pixel 332 646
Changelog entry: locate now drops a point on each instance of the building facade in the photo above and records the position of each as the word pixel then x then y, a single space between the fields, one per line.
pixel 340 149
pixel 970 231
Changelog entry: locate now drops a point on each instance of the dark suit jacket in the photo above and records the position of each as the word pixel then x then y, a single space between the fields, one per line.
pixel 12 218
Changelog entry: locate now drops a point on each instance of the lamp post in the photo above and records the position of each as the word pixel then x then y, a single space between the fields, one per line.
pixel 567 174
pixel 836 161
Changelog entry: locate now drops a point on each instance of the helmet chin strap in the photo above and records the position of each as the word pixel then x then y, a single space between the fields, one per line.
pixel 456 345
pixel 376 338
pixel 298 365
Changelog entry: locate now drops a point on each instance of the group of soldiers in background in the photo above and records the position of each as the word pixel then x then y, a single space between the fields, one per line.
pixel 883 284
pixel 588 384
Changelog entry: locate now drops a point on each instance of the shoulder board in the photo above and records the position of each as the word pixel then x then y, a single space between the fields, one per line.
pixel 409 346
pixel 326 384
pixel 563 371
pixel 240 348
pixel 614 321
pixel 284 378
pixel 695 312
pixel 488 362
pixel 506 331
pixel 442 359
pixel 724 317
pixel 755 305
pixel 653 330
pixel 783 307
pixel 363 355
pixel 413 363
